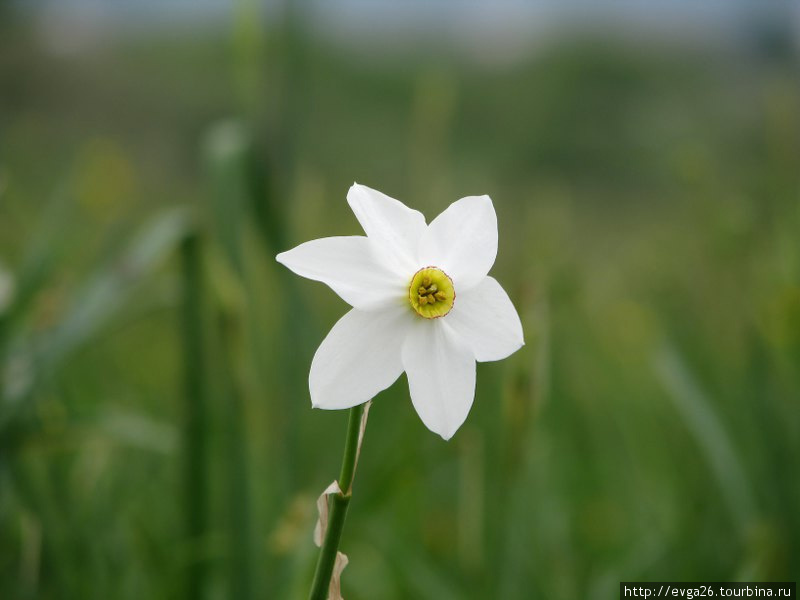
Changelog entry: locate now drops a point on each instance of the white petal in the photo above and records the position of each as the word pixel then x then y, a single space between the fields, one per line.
pixel 359 358
pixel 441 375
pixel 392 227
pixel 487 321
pixel 462 241
pixel 349 266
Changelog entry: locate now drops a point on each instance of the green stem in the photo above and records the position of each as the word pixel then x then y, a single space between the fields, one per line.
pixel 196 425
pixel 339 504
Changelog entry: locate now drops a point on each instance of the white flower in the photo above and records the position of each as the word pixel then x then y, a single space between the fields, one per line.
pixel 422 303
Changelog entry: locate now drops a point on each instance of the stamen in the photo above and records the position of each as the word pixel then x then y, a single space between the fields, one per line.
pixel 431 293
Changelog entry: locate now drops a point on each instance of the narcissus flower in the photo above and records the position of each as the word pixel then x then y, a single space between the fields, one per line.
pixel 423 303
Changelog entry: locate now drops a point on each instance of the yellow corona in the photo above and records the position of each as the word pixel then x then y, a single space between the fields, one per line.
pixel 431 293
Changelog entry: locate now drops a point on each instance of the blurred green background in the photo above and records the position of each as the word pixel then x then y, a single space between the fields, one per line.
pixel 156 434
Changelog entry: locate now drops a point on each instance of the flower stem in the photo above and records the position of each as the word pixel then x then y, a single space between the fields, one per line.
pixel 339 504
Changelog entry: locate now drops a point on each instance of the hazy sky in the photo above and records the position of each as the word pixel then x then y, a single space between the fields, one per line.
pixel 422 13
pixel 509 25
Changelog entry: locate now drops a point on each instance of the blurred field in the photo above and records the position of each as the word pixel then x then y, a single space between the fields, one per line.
pixel 156 435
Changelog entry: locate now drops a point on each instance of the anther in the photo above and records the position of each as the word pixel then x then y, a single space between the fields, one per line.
pixel 430 293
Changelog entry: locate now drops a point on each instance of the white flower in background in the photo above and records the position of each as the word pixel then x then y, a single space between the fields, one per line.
pixel 422 303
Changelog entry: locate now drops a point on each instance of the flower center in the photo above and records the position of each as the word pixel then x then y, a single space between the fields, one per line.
pixel 431 293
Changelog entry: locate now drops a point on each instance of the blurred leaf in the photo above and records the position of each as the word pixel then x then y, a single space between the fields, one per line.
pixel 241 191
pixel 110 287
pixel 138 430
pixel 103 295
pixel 710 435
pixel 41 256
pixel 7 288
